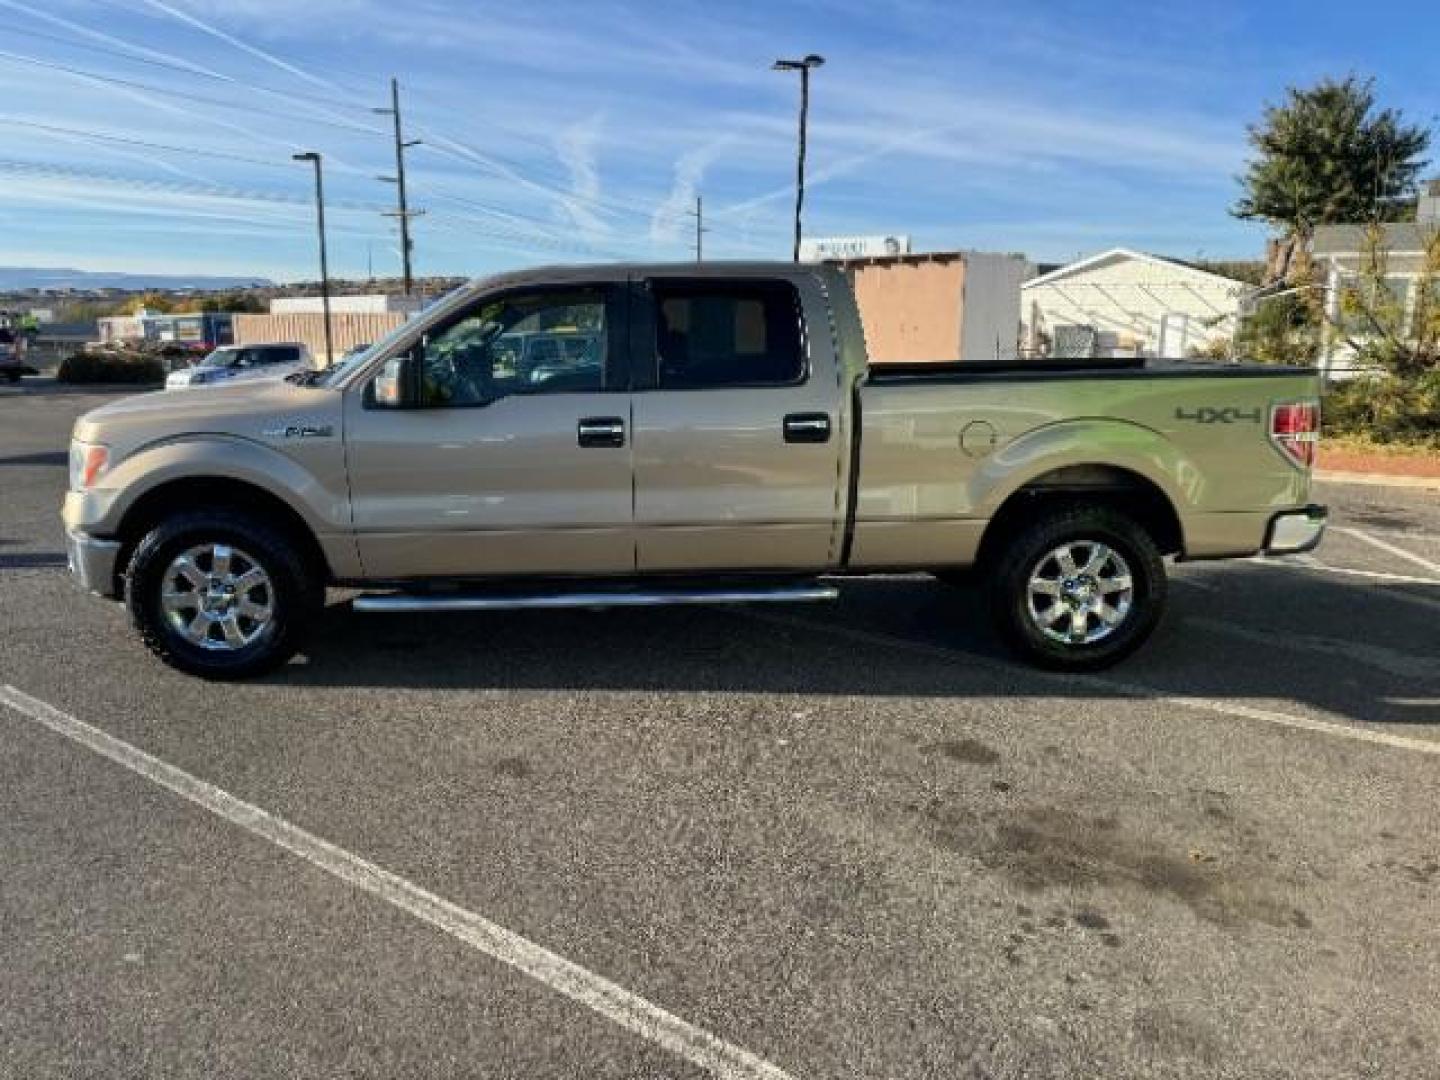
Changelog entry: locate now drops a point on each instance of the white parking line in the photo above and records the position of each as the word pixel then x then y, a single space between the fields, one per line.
pixel 1391 661
pixel 595 992
pixel 1391 549
pixel 1113 686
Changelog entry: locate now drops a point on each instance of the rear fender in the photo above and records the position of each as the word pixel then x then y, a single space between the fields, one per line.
pixel 1114 443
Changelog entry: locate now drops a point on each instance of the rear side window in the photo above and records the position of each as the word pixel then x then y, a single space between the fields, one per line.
pixel 718 334
pixel 283 354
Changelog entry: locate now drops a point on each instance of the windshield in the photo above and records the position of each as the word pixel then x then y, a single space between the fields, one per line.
pixel 221 358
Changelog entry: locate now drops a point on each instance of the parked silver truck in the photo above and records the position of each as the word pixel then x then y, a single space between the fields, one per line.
pixel 725 442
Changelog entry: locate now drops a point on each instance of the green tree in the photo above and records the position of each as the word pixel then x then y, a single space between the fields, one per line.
pixel 1327 156
pixel 237 300
pixel 152 301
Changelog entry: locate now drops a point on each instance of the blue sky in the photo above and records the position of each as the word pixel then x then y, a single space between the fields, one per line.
pixel 574 130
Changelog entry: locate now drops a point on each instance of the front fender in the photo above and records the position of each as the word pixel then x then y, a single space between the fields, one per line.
pixel 1113 443
pixel 315 489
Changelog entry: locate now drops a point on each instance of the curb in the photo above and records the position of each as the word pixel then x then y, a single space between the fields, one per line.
pixel 1424 483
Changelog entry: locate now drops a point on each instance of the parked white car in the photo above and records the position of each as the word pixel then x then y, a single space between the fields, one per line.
pixel 243 362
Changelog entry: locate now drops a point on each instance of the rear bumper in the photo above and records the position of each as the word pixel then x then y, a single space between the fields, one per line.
pixel 1296 531
pixel 92 562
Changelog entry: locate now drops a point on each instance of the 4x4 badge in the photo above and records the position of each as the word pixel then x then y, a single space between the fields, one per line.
pixel 1209 415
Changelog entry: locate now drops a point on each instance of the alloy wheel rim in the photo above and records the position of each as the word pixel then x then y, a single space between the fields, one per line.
pixel 1080 592
pixel 218 597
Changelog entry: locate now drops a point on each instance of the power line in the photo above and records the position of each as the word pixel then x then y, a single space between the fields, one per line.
pixel 495 163
pixel 124 141
pixel 218 191
pixel 151 88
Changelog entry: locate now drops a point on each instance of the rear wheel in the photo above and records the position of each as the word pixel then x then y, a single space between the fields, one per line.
pixel 220 595
pixel 1078 589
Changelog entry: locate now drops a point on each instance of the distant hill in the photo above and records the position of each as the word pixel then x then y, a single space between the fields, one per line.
pixel 14 278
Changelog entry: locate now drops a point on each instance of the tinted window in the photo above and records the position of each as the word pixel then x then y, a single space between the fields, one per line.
pixel 275 354
pixel 545 343
pixel 728 334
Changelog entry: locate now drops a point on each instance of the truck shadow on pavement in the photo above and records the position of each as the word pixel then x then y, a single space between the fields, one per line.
pixel 911 637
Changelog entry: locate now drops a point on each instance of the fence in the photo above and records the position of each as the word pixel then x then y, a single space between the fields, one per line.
pixel 348 329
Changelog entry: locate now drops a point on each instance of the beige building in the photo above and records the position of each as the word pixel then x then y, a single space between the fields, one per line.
pixel 1128 303
pixel 944 306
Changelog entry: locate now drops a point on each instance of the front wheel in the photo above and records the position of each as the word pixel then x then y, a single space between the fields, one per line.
pixel 1078 589
pixel 220 595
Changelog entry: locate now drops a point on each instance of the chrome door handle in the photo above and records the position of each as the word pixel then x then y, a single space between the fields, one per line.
pixel 601 431
pixel 807 428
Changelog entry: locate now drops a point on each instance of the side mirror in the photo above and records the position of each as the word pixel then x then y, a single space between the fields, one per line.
pixel 393 382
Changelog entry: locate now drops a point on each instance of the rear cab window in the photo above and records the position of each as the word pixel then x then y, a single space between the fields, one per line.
pixel 717 334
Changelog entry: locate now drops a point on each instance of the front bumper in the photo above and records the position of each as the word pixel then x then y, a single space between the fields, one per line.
pixel 1294 532
pixel 92 562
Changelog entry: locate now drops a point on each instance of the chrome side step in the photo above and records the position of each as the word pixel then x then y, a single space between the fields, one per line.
pixel 659 597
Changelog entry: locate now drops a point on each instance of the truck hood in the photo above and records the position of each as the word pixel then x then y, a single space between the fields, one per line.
pixel 260 411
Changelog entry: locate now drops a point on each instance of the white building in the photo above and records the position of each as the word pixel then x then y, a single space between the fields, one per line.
pixel 1127 303
pixel 374 304
pixel 1342 252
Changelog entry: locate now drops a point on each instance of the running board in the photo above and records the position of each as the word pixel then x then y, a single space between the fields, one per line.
pixel 500 601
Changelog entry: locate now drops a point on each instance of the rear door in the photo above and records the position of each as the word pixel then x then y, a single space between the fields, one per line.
pixel 505 468
pixel 737 446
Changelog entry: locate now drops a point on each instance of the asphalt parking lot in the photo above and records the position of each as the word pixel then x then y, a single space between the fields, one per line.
pixel 839 841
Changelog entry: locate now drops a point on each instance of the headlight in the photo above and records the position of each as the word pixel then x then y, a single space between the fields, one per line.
pixel 88 462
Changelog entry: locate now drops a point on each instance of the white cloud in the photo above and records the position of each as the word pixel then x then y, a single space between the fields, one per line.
pixel 690 169
pixel 575 147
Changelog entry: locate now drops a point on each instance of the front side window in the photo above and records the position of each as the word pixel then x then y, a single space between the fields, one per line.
pixel 728 334
pixel 544 343
pixel 222 358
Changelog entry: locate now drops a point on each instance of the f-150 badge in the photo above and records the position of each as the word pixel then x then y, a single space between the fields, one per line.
pixel 300 431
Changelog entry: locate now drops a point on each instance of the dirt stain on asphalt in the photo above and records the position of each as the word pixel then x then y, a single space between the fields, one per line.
pixel 516 768
pixel 1042 847
pixel 967 751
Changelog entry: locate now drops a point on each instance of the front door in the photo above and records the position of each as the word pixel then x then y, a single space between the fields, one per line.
pixel 736 428
pixel 516 455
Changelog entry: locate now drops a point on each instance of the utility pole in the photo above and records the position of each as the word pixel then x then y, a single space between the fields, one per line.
pixel 314 158
pixel 699 215
pixel 402 211
pixel 804 66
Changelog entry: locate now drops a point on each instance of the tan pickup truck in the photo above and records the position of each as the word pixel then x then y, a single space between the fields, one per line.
pixel 634 435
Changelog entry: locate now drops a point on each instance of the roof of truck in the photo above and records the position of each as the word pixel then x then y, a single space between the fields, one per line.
pixel 618 271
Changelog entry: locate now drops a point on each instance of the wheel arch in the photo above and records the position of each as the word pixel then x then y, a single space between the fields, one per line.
pixel 1123 489
pixel 216 493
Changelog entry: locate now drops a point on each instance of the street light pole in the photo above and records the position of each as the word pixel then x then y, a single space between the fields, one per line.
pixel 804 67
pixel 313 157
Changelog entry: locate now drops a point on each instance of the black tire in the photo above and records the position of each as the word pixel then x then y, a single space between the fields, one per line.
pixel 298 592
pixel 1024 552
pixel 12 377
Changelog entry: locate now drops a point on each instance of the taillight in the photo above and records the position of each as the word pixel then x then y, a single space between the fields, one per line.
pixel 1295 427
